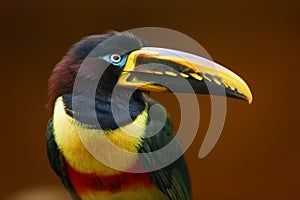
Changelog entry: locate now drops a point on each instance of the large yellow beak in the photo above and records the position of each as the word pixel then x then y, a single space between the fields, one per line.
pixel 149 68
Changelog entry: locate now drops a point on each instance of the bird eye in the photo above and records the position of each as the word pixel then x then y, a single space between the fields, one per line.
pixel 115 58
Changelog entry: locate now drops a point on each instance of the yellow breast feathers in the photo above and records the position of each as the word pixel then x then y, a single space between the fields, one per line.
pixel 69 135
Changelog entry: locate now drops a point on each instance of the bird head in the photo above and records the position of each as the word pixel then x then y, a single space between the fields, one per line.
pixel 128 62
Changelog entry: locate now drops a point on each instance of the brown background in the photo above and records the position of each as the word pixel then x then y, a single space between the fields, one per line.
pixel 257 156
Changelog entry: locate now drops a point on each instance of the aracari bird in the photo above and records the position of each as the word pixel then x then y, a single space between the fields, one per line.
pixel 128 63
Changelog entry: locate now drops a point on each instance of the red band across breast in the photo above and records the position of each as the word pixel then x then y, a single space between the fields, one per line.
pixel 115 183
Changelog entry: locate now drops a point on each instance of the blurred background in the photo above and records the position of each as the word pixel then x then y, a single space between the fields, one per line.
pixel 257 156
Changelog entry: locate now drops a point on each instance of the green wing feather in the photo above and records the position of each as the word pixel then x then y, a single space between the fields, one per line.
pixel 172 180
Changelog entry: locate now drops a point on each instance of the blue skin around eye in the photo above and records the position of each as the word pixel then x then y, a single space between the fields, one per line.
pixel 119 64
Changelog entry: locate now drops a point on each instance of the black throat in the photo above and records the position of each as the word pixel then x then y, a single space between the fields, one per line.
pixel 105 112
